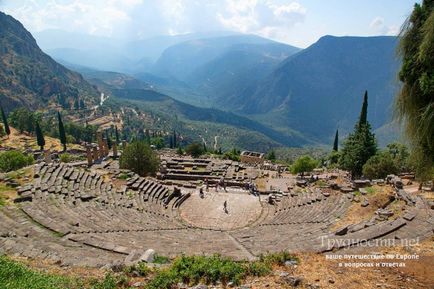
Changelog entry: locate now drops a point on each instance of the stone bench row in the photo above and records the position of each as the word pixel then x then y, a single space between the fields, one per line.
pixel 20 236
pixel 64 217
pixel 318 211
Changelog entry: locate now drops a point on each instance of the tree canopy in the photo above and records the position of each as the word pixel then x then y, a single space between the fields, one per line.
pixel 415 102
pixel 194 149
pixel 380 165
pixel 303 165
pixel 140 158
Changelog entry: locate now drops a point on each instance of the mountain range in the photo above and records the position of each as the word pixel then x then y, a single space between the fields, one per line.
pixel 278 93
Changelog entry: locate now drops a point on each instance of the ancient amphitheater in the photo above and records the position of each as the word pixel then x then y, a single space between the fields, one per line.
pixel 77 216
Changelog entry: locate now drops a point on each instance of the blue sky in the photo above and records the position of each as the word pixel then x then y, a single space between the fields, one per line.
pixel 298 23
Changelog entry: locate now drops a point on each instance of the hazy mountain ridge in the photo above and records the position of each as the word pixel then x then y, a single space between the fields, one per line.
pixel 181 60
pixel 320 88
pixel 156 102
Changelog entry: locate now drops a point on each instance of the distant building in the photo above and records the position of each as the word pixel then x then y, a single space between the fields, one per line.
pixel 252 157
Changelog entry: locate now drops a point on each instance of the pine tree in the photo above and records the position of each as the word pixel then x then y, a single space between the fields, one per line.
pixel 336 142
pixel 39 136
pixel 5 122
pixel 360 144
pixel 62 134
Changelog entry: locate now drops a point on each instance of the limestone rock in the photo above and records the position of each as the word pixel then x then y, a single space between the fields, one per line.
pixel 148 256
pixel 293 281
pixel 365 203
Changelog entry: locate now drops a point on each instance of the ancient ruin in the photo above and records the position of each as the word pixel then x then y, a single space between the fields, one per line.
pixel 79 216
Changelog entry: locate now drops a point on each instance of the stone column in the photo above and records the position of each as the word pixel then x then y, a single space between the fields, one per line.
pixel 100 145
pixel 106 148
pixel 47 156
pixel 115 150
pixel 95 154
pixel 89 155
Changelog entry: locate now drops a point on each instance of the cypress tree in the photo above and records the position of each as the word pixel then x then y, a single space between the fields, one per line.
pixel 364 112
pixel 76 104
pixel 39 136
pixel 174 139
pixel 147 137
pixel 5 122
pixel 170 142
pixel 117 134
pixel 336 142
pixel 109 140
pixel 360 144
pixel 62 135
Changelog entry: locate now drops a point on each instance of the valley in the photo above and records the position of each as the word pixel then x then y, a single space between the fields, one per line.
pixel 190 145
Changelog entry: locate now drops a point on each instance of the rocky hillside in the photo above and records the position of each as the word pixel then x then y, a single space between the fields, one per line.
pixel 30 78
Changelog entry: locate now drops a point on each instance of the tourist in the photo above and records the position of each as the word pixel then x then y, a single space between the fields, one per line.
pixel 225 207
pixel 206 184
pixel 201 194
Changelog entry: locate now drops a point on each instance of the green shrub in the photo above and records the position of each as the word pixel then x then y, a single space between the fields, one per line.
pixel 380 165
pixel 15 275
pixel 14 160
pixel 110 281
pixel 194 149
pixel 164 279
pixel 160 259
pixel 123 176
pixel 259 269
pixel 278 258
pixel 66 158
pixel 370 190
pixel 143 269
pixel 195 269
pixel 233 155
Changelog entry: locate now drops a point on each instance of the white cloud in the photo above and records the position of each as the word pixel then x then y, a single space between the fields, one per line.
pixel 265 18
pixel 96 17
pixel 377 23
pixel 379 26
pixel 145 18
